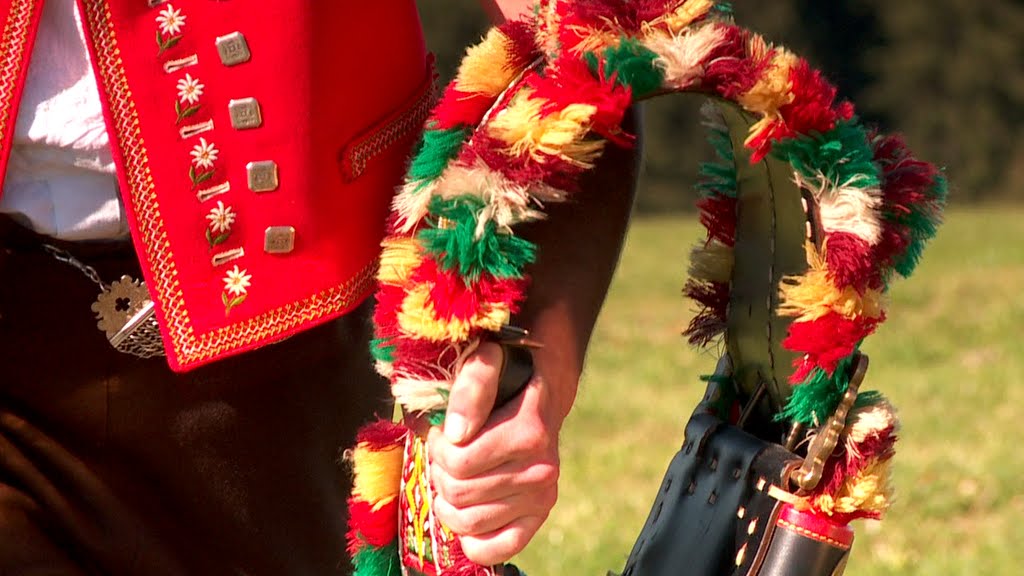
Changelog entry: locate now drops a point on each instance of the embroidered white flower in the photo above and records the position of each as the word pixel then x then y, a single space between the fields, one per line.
pixel 171 20
pixel 204 153
pixel 190 89
pixel 221 218
pixel 237 281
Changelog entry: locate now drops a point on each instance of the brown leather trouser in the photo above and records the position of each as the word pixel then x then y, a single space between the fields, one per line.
pixel 114 465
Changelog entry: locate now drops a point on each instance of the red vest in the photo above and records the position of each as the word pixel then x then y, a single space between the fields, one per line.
pixel 257 142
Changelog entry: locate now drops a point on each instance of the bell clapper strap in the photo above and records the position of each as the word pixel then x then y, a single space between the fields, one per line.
pixel 124 310
pixel 803 477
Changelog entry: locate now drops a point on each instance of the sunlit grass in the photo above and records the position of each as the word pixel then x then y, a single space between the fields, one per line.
pixel 951 357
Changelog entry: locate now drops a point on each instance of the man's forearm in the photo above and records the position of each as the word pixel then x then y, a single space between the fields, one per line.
pixel 501 10
pixel 578 248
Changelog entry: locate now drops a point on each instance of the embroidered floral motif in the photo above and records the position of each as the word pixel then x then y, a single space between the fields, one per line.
pixel 189 91
pixel 171 21
pixel 221 218
pixel 203 156
pixel 236 288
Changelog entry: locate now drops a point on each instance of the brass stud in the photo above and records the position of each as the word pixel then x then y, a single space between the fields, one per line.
pixel 233 49
pixel 279 240
pixel 245 113
pixel 262 175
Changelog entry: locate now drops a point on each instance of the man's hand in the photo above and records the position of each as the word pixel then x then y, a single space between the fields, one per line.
pixel 496 473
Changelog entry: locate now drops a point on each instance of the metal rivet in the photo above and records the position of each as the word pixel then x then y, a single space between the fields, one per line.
pixel 262 175
pixel 279 240
pixel 245 113
pixel 741 555
pixel 233 49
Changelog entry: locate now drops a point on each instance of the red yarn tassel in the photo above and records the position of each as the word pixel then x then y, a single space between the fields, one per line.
pixel 850 261
pixel 826 341
pixel 718 215
pixel 371 527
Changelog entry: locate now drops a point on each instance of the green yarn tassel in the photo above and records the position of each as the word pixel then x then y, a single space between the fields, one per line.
pixel 722 403
pixel 841 154
pixel 372 561
pixel 382 350
pixel 718 178
pixel 436 150
pixel 923 222
pixel 456 246
pixel 816 399
pixel 868 398
pixel 632 65
pixel 437 418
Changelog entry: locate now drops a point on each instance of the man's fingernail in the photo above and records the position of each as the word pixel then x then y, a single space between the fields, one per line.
pixel 455 428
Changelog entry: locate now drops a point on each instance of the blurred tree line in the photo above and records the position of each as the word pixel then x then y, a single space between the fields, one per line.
pixel 949 74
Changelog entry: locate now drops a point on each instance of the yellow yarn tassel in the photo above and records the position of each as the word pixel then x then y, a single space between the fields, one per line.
pixel 813 295
pixel 684 15
pixel 399 257
pixel 487 68
pixel 773 89
pixel 418 319
pixel 378 474
pixel 560 133
pixel 712 262
pixel 595 39
pixel 758 129
pixel 869 491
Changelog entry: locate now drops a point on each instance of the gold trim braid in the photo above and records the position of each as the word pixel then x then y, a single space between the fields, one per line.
pixel 188 347
pixel 12 53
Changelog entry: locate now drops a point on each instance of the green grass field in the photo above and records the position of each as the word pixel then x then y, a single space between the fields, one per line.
pixel 950 356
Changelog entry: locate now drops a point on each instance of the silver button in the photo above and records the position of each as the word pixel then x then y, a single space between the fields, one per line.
pixel 245 113
pixel 233 49
pixel 262 175
pixel 279 240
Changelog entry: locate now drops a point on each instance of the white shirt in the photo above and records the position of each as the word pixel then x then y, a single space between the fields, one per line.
pixel 61 177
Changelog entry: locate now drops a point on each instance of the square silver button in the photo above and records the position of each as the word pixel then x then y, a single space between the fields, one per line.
pixel 233 49
pixel 279 240
pixel 245 113
pixel 262 175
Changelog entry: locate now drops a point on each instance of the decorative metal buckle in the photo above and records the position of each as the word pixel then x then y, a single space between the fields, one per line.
pixel 808 475
pixel 124 310
pixel 127 315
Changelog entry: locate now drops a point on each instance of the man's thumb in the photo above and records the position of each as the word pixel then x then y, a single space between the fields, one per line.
pixel 473 394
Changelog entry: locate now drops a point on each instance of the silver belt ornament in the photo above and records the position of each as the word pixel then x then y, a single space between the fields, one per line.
pixel 124 310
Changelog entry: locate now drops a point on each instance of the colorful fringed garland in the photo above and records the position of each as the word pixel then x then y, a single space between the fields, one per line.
pixel 530 110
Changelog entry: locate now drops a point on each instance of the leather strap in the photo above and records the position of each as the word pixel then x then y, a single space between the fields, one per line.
pixel 770 236
pixel 790 552
pixel 713 502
